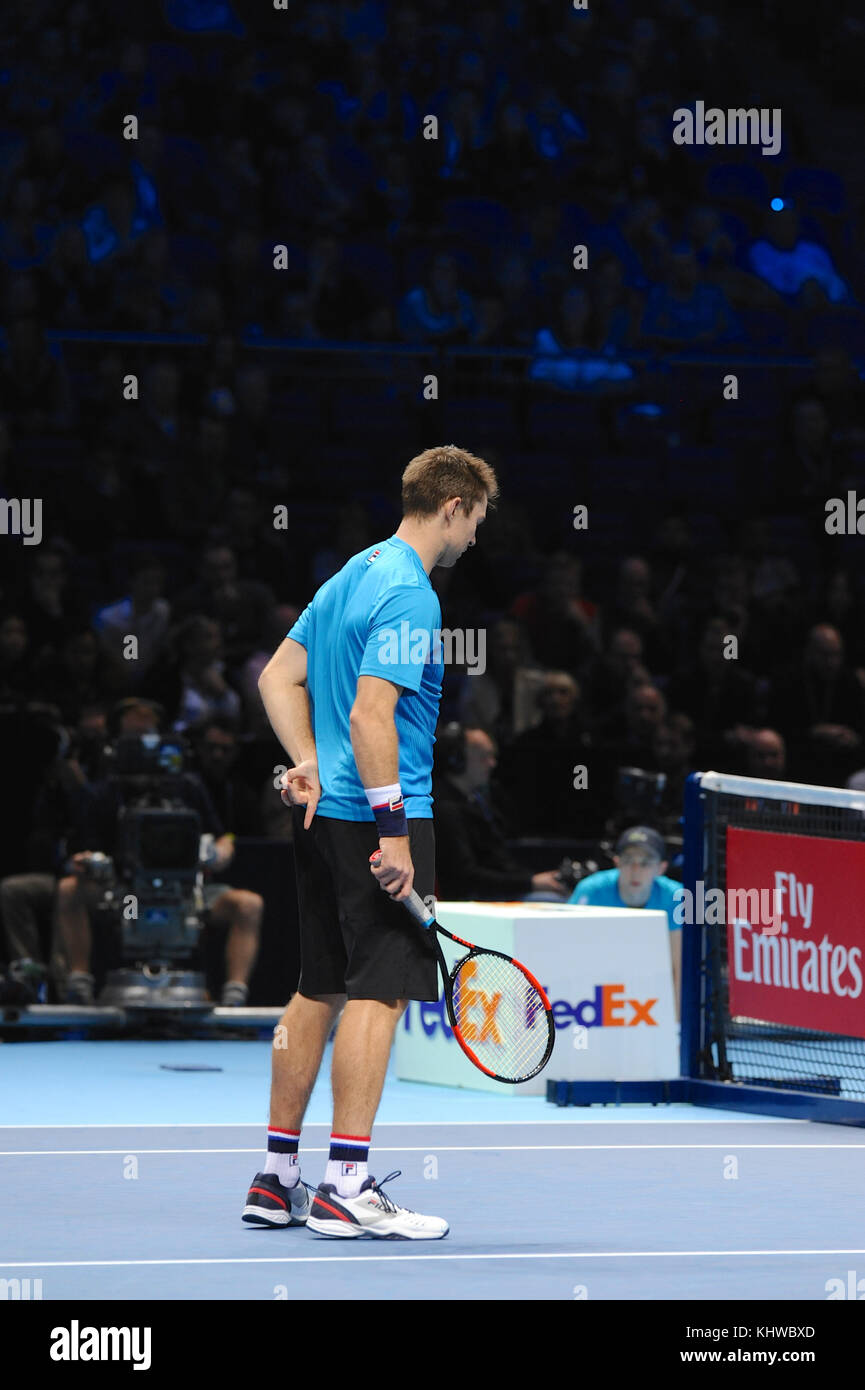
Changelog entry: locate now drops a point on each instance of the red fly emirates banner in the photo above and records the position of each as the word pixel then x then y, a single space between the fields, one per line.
pixel 806 968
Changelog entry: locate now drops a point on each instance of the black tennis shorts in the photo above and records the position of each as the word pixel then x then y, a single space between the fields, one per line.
pixel 354 939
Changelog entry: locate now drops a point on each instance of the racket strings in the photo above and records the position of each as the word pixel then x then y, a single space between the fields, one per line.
pixel 501 1015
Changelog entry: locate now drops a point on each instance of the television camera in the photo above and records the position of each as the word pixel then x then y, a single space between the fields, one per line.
pixel 153 884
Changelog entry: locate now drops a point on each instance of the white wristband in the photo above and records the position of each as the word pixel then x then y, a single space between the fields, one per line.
pixel 383 796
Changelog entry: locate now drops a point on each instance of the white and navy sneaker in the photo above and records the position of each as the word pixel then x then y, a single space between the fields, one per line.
pixel 371 1213
pixel 268 1203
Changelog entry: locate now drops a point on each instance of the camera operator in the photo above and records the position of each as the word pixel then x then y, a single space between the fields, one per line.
pixel 82 888
pixel 215 740
pixel 27 898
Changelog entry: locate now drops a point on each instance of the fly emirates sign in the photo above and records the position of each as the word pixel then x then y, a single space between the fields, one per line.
pixel 806 968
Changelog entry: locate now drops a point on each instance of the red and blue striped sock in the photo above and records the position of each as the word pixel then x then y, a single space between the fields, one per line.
pixel 282 1155
pixel 347 1163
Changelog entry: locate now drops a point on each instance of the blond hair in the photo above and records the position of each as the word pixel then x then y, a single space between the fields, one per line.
pixel 442 472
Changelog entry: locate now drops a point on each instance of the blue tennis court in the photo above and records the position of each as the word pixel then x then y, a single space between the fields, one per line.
pixel 123 1178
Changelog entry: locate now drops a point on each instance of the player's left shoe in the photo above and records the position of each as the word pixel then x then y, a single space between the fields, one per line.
pixel 268 1203
pixel 371 1213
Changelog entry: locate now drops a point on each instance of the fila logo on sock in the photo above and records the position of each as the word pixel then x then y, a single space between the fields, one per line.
pixel 349 1170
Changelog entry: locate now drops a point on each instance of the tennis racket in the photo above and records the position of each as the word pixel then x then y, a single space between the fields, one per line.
pixel 499 1014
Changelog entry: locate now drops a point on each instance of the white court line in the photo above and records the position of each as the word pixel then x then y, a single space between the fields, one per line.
pixel 341 1259
pixel 419 1148
pixel 745 1118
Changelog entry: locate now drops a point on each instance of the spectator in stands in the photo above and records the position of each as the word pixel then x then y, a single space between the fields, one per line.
pixel 353 533
pixel 489 700
pixel 82 673
pixel 27 898
pixel 675 746
pixel 264 554
pixel 509 313
pixel 464 138
pixel 766 754
pixel 640 237
pixel 34 386
pixel 614 307
pixel 472 859
pixel 788 261
pixel 567 353
pixel 630 739
pixel 807 462
pixel 539 774
pixel 16 674
pixel 152 295
pixel 633 607
pixel 193 683
pixel 215 740
pixel 25 238
pixel 818 704
pixel 47 600
pixel 639 880
pixel 837 383
pixel 610 673
pixel 114 222
pixel 339 301
pixel 234 909
pixel 684 310
pixel 313 192
pixel 142 613
pixel 247 295
pixel 561 624
pixel 258 424
pixel 776 614
pixel 438 311
pixel 715 249
pixel 840 605
pixel 77 293
pixel 512 159
pixel 717 693
pixel 159 422
pixel 281 620
pixel 240 606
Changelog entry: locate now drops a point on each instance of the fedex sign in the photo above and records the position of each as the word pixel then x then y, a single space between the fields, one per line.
pixel 605 970
pixel 606 1008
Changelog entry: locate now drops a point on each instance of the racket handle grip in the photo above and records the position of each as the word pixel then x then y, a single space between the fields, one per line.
pixel 414 903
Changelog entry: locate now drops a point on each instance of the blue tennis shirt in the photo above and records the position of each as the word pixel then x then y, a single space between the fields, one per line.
pixel 379 616
pixel 602 890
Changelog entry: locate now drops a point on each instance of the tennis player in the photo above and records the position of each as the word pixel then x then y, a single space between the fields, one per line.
pixel 353 696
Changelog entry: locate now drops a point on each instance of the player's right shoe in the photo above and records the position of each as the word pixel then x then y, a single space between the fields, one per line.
pixel 270 1204
pixel 371 1213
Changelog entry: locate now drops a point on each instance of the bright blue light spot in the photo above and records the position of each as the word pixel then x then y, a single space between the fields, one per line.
pixel 777 204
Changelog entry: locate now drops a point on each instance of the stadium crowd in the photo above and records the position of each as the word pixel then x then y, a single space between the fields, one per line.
pixel 716 623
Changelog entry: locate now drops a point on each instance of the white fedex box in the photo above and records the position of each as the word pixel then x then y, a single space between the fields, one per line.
pixel 608 976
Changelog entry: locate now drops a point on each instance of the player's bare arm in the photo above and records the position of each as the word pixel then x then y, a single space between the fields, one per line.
pixel 375 745
pixel 282 686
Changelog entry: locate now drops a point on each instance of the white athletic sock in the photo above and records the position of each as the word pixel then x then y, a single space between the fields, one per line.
pixel 347 1184
pixel 281 1157
pixel 285 1166
pixel 347 1163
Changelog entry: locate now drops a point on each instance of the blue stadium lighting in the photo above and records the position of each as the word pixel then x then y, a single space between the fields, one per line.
pixel 777 204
